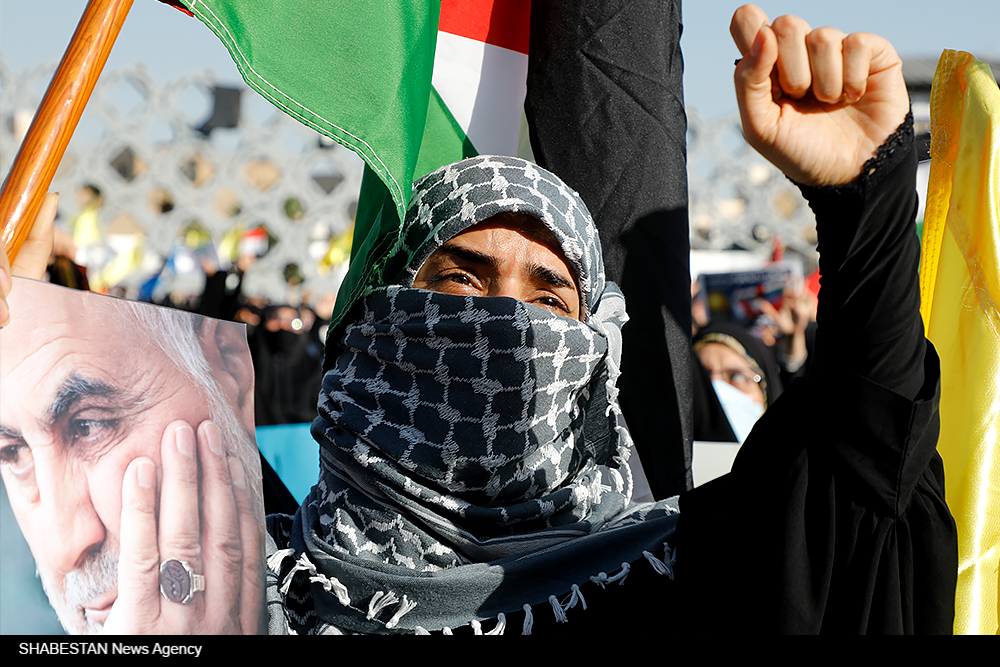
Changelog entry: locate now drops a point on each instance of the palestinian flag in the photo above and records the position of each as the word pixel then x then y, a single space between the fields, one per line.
pixel 480 68
pixel 476 106
pixel 384 79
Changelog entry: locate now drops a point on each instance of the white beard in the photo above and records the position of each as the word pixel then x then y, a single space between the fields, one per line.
pixel 100 573
pixel 94 579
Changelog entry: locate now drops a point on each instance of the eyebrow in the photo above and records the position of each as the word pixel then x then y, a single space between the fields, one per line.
pixel 74 389
pixel 469 255
pixel 544 273
pixel 551 277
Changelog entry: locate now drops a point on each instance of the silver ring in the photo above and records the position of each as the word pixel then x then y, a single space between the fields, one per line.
pixel 178 582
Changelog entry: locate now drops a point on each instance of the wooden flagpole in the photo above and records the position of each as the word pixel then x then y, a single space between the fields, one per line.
pixel 41 151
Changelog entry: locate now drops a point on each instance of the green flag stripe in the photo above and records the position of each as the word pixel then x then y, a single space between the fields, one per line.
pixel 375 233
pixel 365 63
pixel 288 103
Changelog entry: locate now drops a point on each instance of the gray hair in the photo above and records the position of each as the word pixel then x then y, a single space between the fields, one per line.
pixel 177 334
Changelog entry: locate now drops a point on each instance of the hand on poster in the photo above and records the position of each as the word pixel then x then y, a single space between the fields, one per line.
pixel 816 103
pixel 205 519
pixel 126 440
pixel 34 255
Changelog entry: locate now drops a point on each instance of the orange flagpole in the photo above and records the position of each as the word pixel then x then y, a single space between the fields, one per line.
pixel 41 151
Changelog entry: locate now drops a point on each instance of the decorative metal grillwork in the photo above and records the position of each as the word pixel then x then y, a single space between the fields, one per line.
pixel 166 173
pixel 738 199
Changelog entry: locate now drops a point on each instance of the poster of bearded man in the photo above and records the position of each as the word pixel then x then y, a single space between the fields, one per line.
pixel 127 439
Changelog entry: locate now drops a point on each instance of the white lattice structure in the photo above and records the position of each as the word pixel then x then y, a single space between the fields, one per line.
pixel 739 199
pixel 136 142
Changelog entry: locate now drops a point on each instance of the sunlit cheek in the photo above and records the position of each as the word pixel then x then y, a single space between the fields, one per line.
pixel 105 478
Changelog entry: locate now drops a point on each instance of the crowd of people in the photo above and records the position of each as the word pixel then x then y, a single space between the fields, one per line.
pixel 741 368
pixel 286 339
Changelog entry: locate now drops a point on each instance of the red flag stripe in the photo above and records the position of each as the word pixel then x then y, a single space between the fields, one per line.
pixel 502 23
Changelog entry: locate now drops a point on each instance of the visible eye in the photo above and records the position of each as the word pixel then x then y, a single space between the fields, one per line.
pixel 17 458
pixel 739 378
pixel 454 281
pixel 92 432
pixel 92 429
pixel 742 379
pixel 553 304
pixel 458 278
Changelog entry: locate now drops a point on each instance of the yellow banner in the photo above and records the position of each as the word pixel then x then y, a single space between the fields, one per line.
pixel 960 292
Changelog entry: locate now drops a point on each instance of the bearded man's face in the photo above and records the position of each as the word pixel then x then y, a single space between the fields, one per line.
pixel 81 398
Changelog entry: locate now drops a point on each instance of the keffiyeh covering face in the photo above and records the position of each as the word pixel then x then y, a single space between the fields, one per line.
pixel 458 431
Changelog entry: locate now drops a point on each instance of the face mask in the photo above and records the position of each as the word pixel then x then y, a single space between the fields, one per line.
pixel 741 410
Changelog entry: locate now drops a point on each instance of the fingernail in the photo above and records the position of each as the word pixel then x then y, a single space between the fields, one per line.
pixel 236 473
pixel 145 474
pixel 184 437
pixel 212 434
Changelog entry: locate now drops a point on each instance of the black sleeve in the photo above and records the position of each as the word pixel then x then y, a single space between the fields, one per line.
pixel 869 307
pixel 833 519
pixel 605 107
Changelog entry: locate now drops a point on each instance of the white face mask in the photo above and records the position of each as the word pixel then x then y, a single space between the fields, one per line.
pixel 741 410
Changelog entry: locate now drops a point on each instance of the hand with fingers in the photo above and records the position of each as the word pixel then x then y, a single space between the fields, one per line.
pixel 201 529
pixel 798 309
pixel 815 102
pixel 34 255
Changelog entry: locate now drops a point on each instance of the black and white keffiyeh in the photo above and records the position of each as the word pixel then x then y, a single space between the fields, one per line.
pixel 473 457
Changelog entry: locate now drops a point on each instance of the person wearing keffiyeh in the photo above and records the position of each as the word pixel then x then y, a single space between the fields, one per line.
pixel 493 422
pixel 475 468
pixel 474 461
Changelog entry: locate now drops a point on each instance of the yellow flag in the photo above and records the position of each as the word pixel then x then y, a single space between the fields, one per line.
pixel 87 226
pixel 339 251
pixel 960 292
pixel 229 249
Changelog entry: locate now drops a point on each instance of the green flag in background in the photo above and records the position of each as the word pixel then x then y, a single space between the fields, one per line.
pixel 360 72
pixel 357 71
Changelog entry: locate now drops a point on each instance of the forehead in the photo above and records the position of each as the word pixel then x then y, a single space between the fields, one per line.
pixel 717 356
pixel 455 197
pixel 284 313
pixel 50 337
pixel 509 225
pixel 42 313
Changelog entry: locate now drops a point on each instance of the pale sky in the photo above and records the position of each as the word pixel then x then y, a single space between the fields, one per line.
pixel 35 32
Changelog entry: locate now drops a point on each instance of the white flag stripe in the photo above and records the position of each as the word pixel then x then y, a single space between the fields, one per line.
pixel 483 86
